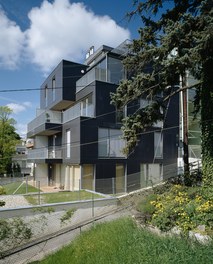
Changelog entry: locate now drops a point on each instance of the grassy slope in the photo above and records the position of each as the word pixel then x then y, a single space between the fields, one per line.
pixel 121 242
pixel 11 187
pixel 59 197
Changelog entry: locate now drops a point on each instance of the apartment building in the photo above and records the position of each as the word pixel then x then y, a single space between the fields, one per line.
pixel 77 131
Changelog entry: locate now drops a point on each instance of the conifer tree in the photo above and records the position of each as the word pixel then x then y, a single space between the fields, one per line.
pixel 175 38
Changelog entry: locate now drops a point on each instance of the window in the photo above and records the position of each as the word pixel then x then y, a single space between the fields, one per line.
pixel 45 94
pixel 144 102
pixel 120 114
pixel 87 108
pixel 115 70
pixel 110 143
pixel 53 88
pixel 68 143
pixel 158 145
pixel 100 71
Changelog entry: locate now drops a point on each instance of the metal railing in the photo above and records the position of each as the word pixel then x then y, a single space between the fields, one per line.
pixel 45 117
pixel 45 153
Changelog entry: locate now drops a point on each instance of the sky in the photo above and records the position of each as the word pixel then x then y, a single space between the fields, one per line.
pixel 35 35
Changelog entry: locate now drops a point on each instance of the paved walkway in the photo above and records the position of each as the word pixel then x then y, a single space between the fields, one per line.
pixel 13 201
pixel 50 189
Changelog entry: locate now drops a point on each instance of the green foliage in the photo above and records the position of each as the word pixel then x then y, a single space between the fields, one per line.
pixel 8 139
pixel 184 207
pixel 13 232
pixel 173 39
pixel 146 207
pixel 121 241
pixel 60 197
pixel 67 216
pixel 2 190
pixel 48 210
pixel 207 170
pixel 22 188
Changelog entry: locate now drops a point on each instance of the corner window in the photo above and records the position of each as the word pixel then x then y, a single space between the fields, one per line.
pixel 45 94
pixel 53 88
pixel 158 145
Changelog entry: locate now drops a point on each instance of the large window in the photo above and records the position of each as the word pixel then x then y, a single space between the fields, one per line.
pixel 68 143
pixel 86 106
pixel 100 71
pixel 110 143
pixel 115 70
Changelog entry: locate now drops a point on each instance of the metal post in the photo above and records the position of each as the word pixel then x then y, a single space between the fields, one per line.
pixel 185 128
pixel 113 186
pixel 27 184
pixel 79 190
pixel 93 211
pixel 39 193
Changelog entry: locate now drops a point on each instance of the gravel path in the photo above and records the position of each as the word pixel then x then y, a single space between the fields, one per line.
pixel 13 201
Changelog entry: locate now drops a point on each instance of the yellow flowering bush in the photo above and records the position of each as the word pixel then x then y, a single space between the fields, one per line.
pixel 185 207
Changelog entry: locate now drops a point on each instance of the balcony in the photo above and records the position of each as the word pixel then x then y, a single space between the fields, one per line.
pixel 45 153
pixel 46 123
pixel 77 111
pixel 96 74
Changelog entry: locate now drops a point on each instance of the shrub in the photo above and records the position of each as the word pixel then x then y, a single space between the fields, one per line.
pixel 183 207
pixel 2 190
pixel 146 207
pixel 13 232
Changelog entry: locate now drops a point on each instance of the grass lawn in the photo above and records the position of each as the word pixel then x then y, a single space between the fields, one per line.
pixel 61 197
pixel 122 242
pixel 11 187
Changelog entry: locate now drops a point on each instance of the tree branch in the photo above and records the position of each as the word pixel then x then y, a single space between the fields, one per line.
pixel 180 89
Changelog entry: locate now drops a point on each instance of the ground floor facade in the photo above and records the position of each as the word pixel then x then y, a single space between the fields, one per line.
pixel 105 177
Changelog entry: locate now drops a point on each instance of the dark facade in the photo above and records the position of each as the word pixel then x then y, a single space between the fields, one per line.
pixel 81 146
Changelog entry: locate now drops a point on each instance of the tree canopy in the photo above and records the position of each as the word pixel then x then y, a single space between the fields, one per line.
pixel 175 38
pixel 8 139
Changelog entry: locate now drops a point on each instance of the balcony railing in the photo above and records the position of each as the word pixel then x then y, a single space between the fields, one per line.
pixel 45 153
pixel 89 77
pixel 45 117
pixel 76 111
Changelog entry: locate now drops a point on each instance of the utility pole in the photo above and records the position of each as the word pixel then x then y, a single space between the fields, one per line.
pixel 185 125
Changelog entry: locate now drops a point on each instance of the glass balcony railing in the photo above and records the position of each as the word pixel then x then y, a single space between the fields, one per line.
pixel 76 111
pixel 94 74
pixel 72 113
pixel 45 153
pixel 45 117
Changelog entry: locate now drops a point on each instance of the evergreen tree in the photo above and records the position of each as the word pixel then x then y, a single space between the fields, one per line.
pixel 8 139
pixel 176 37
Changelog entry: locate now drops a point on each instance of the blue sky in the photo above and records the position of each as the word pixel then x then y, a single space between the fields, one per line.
pixel 36 35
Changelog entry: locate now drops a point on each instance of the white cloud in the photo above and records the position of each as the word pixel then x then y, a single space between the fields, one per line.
pixel 21 129
pixel 12 42
pixel 18 108
pixel 64 30
pixel 58 30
